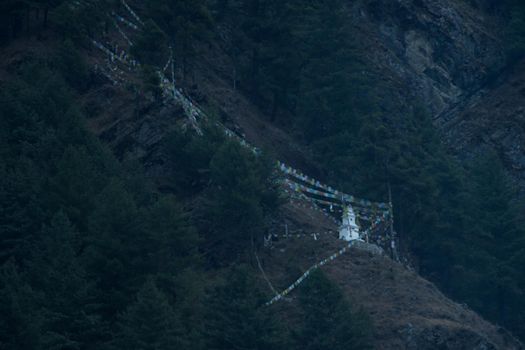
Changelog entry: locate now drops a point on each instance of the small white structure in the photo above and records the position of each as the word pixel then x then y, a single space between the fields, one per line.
pixel 349 229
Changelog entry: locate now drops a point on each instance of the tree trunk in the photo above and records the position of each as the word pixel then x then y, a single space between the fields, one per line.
pixel 46 12
pixel 234 76
pixel 274 105
pixel 501 306
pixel 254 71
pixel 28 19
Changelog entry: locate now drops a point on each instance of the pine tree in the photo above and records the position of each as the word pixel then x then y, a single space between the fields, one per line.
pixel 170 241
pixel 151 46
pixel 73 66
pixel 20 321
pixel 150 323
pixel 329 321
pixel 65 295
pixel 497 236
pixel 236 317
pixel 515 36
pixel 114 254
pixel 242 194
pixel 185 22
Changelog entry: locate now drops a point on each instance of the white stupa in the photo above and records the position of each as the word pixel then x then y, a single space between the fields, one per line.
pixel 349 229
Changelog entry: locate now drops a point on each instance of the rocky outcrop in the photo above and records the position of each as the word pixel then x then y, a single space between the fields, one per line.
pixel 492 120
pixel 439 51
pixel 449 55
pixel 135 127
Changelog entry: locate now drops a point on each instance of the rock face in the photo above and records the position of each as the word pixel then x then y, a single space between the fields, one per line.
pixel 436 50
pixel 449 55
pixel 492 120
pixel 135 128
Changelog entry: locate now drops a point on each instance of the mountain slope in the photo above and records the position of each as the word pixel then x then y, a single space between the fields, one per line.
pixel 407 310
pixel 451 56
pixel 492 120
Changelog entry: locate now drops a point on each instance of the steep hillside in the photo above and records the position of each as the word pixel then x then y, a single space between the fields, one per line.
pixel 159 226
pixel 408 311
pixel 491 120
pixel 451 56
pixel 438 51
